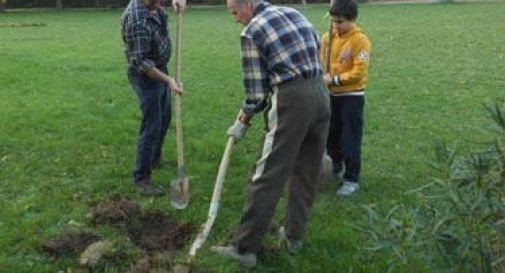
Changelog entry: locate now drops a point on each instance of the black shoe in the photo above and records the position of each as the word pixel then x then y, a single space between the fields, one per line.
pixel 145 187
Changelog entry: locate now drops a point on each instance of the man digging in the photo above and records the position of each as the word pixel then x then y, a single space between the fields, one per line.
pixel 281 68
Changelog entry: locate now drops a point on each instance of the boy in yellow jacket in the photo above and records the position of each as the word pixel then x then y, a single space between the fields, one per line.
pixel 346 76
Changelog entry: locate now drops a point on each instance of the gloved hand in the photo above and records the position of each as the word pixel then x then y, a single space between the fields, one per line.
pixel 237 130
pixel 179 5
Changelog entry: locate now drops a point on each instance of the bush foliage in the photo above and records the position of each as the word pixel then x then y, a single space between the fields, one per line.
pixel 458 224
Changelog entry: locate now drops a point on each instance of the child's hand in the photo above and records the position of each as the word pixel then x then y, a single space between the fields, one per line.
pixel 327 79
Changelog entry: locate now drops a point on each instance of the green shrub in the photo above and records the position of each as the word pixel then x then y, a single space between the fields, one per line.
pixel 459 223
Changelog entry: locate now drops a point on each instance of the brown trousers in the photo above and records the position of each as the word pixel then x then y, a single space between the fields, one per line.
pixel 298 123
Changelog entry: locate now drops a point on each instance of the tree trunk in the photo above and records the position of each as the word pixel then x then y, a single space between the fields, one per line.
pixel 3 3
pixel 304 2
pixel 59 4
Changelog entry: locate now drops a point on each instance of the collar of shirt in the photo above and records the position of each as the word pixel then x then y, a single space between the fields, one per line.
pixel 259 8
pixel 140 9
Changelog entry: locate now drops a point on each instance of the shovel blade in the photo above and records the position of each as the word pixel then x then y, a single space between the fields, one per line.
pixel 179 193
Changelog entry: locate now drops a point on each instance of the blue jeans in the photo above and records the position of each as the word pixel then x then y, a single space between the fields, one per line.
pixel 346 132
pixel 155 106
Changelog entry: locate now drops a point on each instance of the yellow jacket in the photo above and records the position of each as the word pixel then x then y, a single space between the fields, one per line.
pixel 350 56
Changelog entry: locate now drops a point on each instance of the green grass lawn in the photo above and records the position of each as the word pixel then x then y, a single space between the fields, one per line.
pixel 69 119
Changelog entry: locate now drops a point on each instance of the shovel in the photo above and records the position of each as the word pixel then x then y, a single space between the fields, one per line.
pixel 179 188
pixel 213 209
pixel 328 50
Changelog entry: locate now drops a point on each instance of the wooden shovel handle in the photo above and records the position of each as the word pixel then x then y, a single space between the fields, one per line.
pixel 216 198
pixel 328 49
pixel 218 186
pixel 178 103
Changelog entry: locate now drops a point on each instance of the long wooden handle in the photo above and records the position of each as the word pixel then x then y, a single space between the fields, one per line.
pixel 328 49
pixel 178 103
pixel 178 56
pixel 218 187
pixel 216 198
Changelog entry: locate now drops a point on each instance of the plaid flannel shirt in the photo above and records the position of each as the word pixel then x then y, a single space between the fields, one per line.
pixel 145 36
pixel 278 45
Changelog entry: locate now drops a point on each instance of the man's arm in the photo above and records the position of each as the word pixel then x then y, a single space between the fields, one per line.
pixel 255 77
pixel 179 5
pixel 141 45
pixel 155 73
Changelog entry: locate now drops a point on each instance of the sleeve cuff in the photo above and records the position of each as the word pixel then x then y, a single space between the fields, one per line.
pixel 251 108
pixel 336 80
pixel 248 110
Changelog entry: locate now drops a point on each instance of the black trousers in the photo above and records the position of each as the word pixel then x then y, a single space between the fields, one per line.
pixel 346 132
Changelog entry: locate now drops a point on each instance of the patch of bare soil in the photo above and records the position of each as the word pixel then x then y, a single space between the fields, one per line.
pixel 151 231
pixel 116 211
pixel 69 243
pixel 158 232
pixel 158 235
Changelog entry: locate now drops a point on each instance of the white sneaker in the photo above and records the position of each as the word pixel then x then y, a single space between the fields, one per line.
pixel 246 259
pixel 347 189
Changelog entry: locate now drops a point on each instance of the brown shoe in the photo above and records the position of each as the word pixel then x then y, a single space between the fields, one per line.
pixel 145 187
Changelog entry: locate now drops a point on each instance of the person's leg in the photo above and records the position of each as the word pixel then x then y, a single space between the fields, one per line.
pixel 148 92
pixel 303 184
pixel 352 132
pixel 288 123
pixel 166 117
pixel 334 135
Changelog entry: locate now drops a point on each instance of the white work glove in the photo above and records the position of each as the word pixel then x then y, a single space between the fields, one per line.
pixel 237 130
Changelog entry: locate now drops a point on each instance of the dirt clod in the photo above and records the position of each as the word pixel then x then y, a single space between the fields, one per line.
pixel 69 243
pixel 94 253
pixel 141 266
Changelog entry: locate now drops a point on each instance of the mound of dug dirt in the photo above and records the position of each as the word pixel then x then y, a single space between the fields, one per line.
pixel 70 242
pixel 158 232
pixel 149 230
pixel 116 211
